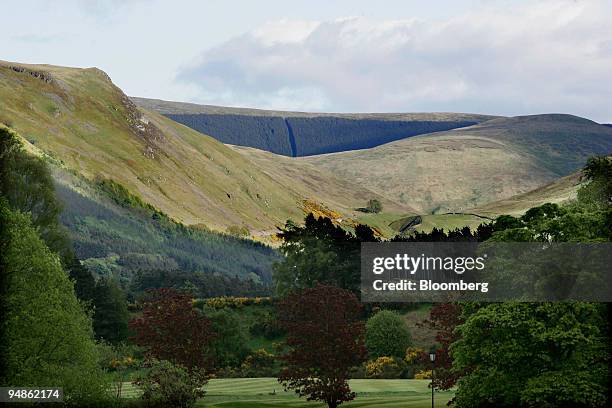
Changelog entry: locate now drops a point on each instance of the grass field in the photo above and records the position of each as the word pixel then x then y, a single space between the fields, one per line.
pixel 267 392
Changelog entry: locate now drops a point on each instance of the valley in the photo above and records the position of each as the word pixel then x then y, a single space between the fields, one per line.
pixel 427 170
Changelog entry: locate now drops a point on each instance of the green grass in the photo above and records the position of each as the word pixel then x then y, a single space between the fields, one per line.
pixel 256 392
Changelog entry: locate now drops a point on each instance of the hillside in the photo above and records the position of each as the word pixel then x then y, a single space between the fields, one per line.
pixel 467 168
pixel 82 120
pixel 559 191
pixel 302 133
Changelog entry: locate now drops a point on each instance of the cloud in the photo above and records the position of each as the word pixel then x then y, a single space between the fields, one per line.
pixel 551 56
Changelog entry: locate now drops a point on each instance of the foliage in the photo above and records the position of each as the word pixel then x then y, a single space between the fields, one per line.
pixel 533 354
pixel 374 206
pixel 260 363
pixel 319 252
pixel 110 319
pixel 325 339
pixel 119 360
pixel 171 329
pixel 444 318
pixel 598 191
pixel 46 334
pixel 26 184
pixel 233 302
pixel 385 367
pixel 229 346
pixel 147 242
pixel 218 290
pixel 423 375
pixel 170 385
pixel 238 231
pixel 386 335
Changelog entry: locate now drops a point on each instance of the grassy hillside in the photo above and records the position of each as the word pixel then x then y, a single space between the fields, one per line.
pixel 559 191
pixel 116 235
pixel 304 134
pixel 466 168
pixel 88 125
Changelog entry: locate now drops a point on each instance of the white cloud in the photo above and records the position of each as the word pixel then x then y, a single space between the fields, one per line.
pixel 551 56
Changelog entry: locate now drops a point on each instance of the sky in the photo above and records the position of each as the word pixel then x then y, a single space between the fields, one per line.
pixel 479 56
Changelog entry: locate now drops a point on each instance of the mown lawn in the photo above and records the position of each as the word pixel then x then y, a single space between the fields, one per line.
pixel 267 393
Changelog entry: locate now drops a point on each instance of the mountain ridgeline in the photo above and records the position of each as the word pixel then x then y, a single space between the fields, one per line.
pixel 305 134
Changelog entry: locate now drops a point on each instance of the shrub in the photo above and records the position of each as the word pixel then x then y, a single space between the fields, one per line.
pixel 374 206
pixel 259 364
pixel 387 335
pixel 385 367
pixel 238 231
pixel 423 375
pixel 170 385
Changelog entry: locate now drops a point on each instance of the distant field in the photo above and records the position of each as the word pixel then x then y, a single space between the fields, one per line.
pixel 255 392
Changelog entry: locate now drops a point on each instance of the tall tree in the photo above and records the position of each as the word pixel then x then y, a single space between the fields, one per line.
pixel 47 337
pixel 170 328
pixel 533 355
pixel 111 316
pixel 325 339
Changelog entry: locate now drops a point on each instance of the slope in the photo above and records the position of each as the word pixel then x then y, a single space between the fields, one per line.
pixel 83 121
pixel 304 133
pixel 466 168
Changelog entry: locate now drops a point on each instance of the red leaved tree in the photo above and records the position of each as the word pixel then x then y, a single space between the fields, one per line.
pixel 171 329
pixel 444 317
pixel 326 339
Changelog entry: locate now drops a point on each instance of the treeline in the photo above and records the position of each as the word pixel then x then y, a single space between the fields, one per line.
pixel 117 237
pixel 304 136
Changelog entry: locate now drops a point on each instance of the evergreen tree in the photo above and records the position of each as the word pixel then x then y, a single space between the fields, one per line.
pixel 110 321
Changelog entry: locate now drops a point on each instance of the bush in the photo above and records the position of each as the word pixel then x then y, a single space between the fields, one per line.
pixel 259 364
pixel 170 385
pixel 238 231
pixel 387 335
pixel 423 375
pixel 374 206
pixel 385 367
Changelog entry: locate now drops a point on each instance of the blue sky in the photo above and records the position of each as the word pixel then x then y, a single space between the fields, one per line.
pixel 496 57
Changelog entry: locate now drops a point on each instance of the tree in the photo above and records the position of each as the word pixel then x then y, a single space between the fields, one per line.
pixel 533 355
pixel 111 316
pixel 230 345
pixel 374 206
pixel 47 337
pixel 170 385
pixel 325 340
pixel 171 329
pixel 444 318
pixel 319 252
pixel 27 186
pixel 387 335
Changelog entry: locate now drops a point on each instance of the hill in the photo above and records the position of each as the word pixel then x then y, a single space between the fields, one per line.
pixel 302 133
pixel 559 191
pixel 81 120
pixel 466 168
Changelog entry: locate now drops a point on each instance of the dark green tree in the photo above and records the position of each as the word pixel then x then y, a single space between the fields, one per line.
pixel 319 252
pixel 230 345
pixel 387 335
pixel 533 355
pixel 110 320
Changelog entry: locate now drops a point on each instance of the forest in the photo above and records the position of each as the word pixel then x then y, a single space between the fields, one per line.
pixel 305 136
